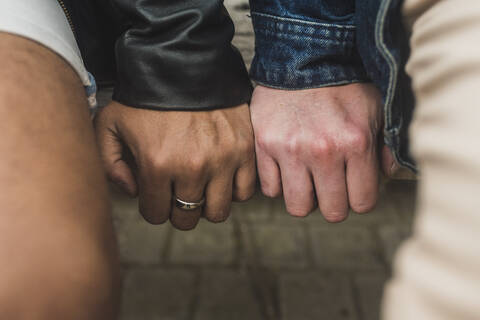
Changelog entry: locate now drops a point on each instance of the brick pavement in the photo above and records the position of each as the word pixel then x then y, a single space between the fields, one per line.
pixel 261 263
pixel 273 267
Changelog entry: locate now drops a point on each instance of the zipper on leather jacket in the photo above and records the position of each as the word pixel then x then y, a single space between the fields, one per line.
pixel 67 14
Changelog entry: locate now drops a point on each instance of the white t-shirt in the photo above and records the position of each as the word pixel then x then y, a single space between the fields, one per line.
pixel 45 22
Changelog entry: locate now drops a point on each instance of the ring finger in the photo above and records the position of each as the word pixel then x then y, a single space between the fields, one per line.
pixel 187 191
pixel 331 190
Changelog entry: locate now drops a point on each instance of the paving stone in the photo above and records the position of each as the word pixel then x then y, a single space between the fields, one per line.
pixel 248 255
pixel 314 295
pixel 157 294
pixel 265 284
pixel 392 237
pixel 208 244
pixel 257 209
pixel 369 290
pixel 345 247
pixel 280 246
pixel 227 294
pixel 140 242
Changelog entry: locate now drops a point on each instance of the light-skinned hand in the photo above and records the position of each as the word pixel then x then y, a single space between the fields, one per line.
pixel 319 147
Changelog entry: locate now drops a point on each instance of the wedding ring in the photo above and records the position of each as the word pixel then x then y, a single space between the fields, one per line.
pixel 188 206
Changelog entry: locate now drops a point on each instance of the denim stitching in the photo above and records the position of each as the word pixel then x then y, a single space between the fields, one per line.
pixel 290 32
pixel 388 58
pixel 390 132
pixel 277 27
pixel 286 35
pixel 323 85
pixel 328 25
pixel 301 82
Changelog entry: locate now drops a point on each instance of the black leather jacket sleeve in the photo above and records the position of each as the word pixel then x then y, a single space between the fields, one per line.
pixel 177 55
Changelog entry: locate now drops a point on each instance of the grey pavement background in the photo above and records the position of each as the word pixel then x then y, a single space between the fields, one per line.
pixel 261 263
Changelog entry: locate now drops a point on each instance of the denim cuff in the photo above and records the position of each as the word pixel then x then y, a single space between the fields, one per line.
pixel 295 54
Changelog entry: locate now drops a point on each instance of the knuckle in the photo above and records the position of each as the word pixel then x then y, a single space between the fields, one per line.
pixel 246 147
pixel 264 141
pixel 218 215
pixel 242 196
pixel 184 226
pixel 271 192
pixel 155 161
pixel 298 211
pixel 335 216
pixel 217 218
pixel 113 175
pixel 322 148
pixel 239 150
pixel 360 140
pixel 363 207
pixel 152 218
pixel 152 215
pixel 196 165
pixel 293 146
pixel 184 222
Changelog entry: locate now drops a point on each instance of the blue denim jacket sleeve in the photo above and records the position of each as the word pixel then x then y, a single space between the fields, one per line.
pixel 304 44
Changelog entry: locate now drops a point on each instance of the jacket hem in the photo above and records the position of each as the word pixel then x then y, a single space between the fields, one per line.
pixel 323 85
pixel 296 54
pixel 172 106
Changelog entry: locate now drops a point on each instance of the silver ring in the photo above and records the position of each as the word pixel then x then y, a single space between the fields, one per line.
pixel 188 206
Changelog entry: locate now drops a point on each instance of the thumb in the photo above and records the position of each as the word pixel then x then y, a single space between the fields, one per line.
pixel 389 165
pixel 112 153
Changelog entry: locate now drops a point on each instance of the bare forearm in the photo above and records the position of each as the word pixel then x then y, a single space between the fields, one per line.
pixel 56 238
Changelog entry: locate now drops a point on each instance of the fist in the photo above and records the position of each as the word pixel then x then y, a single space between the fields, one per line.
pixel 318 147
pixel 192 156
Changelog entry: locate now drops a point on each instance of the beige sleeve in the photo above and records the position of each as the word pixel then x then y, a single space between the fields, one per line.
pixel 437 272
